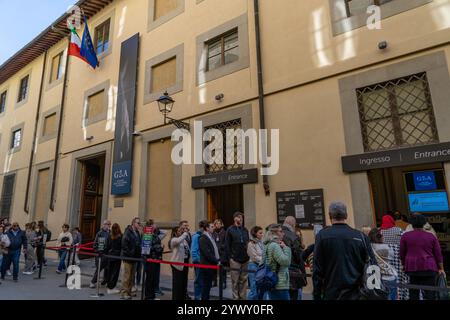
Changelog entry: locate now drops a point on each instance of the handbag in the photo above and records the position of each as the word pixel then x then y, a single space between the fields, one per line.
pixel 265 278
pixel 386 268
pixel 442 284
pixel 367 293
pixel 297 278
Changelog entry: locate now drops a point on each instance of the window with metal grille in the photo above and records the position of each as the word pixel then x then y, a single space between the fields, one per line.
pixel 7 195
pixel 101 39
pixel 222 127
pixel 23 89
pixel 223 50
pixel 397 113
pixel 3 102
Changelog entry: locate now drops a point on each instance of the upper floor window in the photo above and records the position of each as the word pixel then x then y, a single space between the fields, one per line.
pixel 163 7
pixel 348 15
pixel 16 139
pixel 57 67
pixel 164 75
pixel 397 113
pixel 358 7
pixel 3 102
pixel 101 40
pixel 96 105
pixel 23 89
pixel 223 50
pixel 49 125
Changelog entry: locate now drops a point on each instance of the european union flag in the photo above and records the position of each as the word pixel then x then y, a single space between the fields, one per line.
pixel 87 47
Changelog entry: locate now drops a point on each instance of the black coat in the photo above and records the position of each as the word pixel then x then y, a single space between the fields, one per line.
pixel 207 254
pixel 131 243
pixel 115 246
pixel 236 242
pixel 340 256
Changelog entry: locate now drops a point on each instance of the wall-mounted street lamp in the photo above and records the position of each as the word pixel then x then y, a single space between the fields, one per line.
pixel 165 105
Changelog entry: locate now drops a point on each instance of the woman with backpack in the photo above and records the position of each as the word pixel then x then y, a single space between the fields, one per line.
pixel 277 256
pixel 384 255
pixel 255 250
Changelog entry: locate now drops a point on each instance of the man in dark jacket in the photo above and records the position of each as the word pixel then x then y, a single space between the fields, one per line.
pixel 18 241
pixel 340 255
pixel 236 242
pixel 131 248
pixel 297 263
pixel 101 245
pixel 209 255
pixel 151 269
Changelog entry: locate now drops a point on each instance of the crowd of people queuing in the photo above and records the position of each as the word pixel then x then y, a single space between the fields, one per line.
pixel 406 250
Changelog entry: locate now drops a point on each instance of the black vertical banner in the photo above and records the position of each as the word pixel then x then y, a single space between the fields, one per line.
pixel 126 101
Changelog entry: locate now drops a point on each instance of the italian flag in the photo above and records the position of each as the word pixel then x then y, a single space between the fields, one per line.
pixel 75 45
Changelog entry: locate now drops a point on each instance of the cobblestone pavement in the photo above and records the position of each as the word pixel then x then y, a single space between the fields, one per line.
pixel 51 286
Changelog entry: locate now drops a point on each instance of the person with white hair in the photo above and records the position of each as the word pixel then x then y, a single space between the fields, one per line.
pixel 101 245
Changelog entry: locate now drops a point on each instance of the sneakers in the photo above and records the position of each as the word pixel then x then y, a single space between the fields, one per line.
pixel 28 273
pixel 58 271
pixel 112 291
pixel 134 289
pixel 92 285
pixel 8 273
pixel 159 292
pixel 125 297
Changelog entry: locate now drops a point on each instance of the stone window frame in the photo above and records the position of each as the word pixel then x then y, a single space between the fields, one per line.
pixel 243 112
pixel 153 24
pixel 341 23
pixel 105 86
pixel 24 101
pixel 147 138
pixel 110 15
pixel 38 167
pixel 436 67
pixel 51 84
pixel 56 111
pixel 241 24
pixel 178 53
pixel 20 127
pixel 8 93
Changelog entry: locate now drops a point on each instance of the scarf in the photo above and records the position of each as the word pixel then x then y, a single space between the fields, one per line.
pixel 216 251
pixel 387 222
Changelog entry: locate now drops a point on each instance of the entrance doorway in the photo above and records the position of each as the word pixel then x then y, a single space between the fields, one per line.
pixel 91 197
pixel 422 189
pixel 224 201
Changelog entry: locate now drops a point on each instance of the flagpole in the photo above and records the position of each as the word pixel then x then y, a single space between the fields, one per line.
pixel 60 124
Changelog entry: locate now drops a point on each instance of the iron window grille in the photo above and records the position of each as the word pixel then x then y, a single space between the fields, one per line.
pixel 23 89
pixel 223 50
pixel 236 165
pixel 397 113
pixel 7 195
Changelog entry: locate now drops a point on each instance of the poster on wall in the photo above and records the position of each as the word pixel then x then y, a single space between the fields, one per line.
pixel 126 100
pixel 307 206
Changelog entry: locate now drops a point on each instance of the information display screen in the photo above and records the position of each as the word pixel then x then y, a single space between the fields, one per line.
pixel 428 202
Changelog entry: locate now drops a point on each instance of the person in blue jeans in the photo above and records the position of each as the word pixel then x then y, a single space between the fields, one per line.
pixel 18 241
pixel 255 251
pixel 195 254
pixel 64 240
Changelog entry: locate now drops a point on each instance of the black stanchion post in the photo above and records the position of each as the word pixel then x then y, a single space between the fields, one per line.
pixel 69 255
pixel 98 295
pixel 220 282
pixel 41 261
pixel 143 277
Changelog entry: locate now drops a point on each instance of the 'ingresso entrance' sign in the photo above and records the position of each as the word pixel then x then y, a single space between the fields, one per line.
pixel 225 178
pixel 395 158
